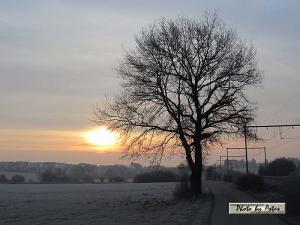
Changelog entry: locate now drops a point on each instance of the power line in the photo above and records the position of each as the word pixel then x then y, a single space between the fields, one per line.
pixel 279 142
pixel 255 148
pixel 277 125
pixel 260 126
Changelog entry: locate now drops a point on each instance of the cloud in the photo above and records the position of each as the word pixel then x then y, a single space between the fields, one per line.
pixel 58 58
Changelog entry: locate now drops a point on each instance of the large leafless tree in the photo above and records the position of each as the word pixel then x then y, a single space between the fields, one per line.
pixel 183 88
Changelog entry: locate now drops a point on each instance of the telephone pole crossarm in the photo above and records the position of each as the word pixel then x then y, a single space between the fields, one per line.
pixel 262 126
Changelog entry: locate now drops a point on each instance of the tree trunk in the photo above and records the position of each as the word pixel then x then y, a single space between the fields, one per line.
pixel 196 181
pixel 196 176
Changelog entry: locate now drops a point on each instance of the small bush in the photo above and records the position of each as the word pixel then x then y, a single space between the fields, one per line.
pixel 183 190
pixel 102 179
pixel 55 176
pixel 17 179
pixel 184 178
pixel 116 179
pixel 47 177
pixel 210 173
pixel 261 170
pixel 3 179
pixel 184 172
pixel 228 178
pixel 232 176
pixel 250 182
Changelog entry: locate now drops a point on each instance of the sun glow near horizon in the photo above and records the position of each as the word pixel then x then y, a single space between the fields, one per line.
pixel 101 138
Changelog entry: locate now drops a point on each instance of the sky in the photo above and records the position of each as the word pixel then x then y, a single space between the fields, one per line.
pixel 58 59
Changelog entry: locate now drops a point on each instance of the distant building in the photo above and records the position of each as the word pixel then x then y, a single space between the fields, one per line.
pixel 240 166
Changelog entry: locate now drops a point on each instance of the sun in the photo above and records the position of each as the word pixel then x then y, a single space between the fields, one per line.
pixel 101 137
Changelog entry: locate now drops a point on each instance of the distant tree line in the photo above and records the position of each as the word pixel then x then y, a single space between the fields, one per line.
pixel 84 173
pixel 51 172
pixel 156 176
pixel 59 176
pixel 279 167
pixel 16 179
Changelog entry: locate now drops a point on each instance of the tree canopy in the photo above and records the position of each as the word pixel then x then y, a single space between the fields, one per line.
pixel 183 87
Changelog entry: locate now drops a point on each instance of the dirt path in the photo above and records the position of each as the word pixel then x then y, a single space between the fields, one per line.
pixel 225 193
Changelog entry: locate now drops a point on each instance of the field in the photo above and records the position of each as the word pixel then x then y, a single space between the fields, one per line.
pixel 107 204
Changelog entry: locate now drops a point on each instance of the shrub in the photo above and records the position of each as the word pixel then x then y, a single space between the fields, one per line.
pixel 250 182
pixel 228 178
pixel 47 177
pixel 156 176
pixel 184 172
pixel 102 179
pixel 183 168
pixel 116 179
pixel 17 179
pixel 183 190
pixel 261 170
pixel 56 176
pixel 232 176
pixel 184 177
pixel 210 173
pixel 278 167
pixel 3 179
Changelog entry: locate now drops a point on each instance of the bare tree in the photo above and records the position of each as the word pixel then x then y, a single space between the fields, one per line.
pixel 183 88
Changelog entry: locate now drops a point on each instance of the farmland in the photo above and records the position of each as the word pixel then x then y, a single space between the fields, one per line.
pixel 124 203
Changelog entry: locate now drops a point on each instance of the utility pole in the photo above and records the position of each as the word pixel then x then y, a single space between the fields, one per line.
pixel 246 150
pixel 227 160
pixel 265 150
pixel 227 156
pixel 220 166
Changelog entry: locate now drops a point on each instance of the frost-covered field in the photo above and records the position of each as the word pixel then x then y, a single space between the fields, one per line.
pixel 107 204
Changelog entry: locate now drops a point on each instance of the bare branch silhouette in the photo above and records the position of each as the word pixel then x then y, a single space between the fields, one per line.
pixel 183 87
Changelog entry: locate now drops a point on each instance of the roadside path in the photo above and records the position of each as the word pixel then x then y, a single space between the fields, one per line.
pixel 225 193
